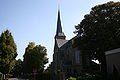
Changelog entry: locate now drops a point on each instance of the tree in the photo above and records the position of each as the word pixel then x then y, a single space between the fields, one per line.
pixel 99 31
pixel 35 58
pixel 18 69
pixel 8 52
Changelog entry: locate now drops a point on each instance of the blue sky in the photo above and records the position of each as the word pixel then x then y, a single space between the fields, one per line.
pixel 35 20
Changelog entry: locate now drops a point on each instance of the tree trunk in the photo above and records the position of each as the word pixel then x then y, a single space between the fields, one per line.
pixel 4 77
pixel 103 66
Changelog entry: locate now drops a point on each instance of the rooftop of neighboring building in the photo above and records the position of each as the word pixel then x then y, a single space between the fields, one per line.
pixel 113 51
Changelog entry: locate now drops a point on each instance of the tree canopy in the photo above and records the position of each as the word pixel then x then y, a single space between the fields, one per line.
pixel 99 31
pixel 8 52
pixel 35 58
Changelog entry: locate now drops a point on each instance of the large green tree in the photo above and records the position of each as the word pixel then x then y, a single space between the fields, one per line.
pixel 35 58
pixel 99 31
pixel 8 52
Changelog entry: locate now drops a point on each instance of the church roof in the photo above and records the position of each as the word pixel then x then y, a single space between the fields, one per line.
pixel 68 43
pixel 61 42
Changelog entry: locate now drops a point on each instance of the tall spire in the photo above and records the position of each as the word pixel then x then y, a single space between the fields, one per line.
pixel 59 26
pixel 59 33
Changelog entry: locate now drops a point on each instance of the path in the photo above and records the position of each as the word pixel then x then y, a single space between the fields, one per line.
pixel 15 79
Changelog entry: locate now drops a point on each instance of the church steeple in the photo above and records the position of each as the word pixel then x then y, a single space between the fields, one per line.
pixel 59 33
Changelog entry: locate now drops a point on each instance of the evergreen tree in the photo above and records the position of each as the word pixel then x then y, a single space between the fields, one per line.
pixel 35 58
pixel 8 52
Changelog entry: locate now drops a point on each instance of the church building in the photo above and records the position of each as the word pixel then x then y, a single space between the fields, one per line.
pixel 66 58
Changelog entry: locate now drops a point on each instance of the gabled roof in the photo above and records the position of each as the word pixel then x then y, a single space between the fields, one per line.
pixel 61 42
pixel 114 51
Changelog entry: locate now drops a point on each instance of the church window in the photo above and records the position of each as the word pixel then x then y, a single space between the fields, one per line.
pixel 77 57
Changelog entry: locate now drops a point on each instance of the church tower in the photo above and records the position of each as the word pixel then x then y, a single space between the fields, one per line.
pixel 59 32
pixel 60 37
pixel 60 40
